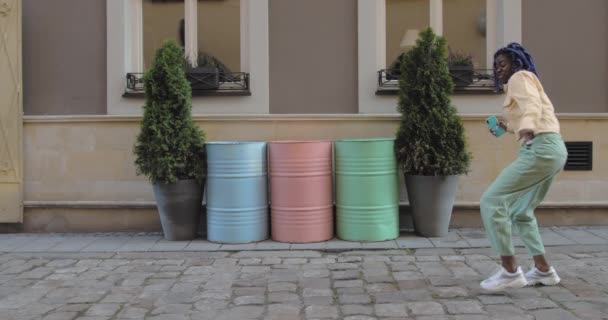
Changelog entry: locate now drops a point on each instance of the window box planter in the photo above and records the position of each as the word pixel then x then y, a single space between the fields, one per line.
pixel 466 81
pixel 205 81
pixel 462 75
pixel 203 78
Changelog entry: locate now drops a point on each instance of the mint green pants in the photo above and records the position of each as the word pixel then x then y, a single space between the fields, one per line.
pixel 510 200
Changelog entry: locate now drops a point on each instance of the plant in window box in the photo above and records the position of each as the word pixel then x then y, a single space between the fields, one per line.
pixel 170 147
pixel 461 68
pixel 430 146
pixel 394 70
pixel 209 71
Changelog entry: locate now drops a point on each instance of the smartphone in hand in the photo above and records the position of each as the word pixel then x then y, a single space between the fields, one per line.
pixel 492 123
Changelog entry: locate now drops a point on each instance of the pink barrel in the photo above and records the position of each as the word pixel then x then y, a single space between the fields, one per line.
pixel 301 207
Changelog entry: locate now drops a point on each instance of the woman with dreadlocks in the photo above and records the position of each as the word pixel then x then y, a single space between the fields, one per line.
pixel 510 200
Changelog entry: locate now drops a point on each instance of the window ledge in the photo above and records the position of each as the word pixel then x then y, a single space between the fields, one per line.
pixel 204 83
pixel 466 82
pixel 234 93
pixel 457 92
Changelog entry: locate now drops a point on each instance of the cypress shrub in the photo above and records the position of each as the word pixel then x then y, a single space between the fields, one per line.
pixel 430 139
pixel 170 146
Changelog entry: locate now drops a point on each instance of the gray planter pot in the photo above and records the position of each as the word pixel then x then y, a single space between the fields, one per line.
pixel 180 207
pixel 431 200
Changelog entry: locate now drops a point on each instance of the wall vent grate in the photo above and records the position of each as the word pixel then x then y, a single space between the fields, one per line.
pixel 580 155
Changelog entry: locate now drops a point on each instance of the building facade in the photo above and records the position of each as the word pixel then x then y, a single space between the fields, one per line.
pixel 314 71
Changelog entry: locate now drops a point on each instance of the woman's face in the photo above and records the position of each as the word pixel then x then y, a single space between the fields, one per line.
pixel 504 68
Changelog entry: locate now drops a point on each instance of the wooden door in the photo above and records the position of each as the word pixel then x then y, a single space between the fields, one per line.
pixel 11 110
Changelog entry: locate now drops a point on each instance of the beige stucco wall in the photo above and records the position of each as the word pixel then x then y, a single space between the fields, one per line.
pixel 89 160
pixel 64 57
pixel 313 56
pixel 569 40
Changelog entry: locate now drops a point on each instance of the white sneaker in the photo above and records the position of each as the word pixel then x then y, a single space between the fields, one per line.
pixel 504 279
pixel 549 278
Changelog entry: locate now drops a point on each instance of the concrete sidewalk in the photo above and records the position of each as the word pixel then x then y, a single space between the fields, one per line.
pixel 125 242
pixel 141 276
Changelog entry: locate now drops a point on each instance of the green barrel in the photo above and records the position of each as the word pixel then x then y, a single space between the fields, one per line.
pixel 367 197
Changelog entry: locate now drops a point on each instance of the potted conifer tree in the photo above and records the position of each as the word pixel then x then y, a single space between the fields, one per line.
pixel 430 146
pixel 170 147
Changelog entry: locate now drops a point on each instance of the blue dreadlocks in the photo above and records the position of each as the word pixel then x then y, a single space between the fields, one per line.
pixel 520 59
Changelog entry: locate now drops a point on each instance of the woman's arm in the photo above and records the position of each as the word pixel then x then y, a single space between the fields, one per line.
pixel 524 91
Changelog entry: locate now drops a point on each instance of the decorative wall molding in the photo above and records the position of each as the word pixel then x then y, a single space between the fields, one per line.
pixel 152 204
pixel 280 117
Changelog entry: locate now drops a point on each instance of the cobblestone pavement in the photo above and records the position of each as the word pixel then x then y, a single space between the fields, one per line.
pixel 427 283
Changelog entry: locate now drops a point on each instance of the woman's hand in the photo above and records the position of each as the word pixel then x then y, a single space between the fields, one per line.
pixel 526 135
pixel 501 123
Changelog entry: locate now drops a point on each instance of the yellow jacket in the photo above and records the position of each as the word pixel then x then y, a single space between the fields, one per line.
pixel 527 106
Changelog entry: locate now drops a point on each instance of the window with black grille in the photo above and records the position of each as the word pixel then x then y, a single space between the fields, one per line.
pixel 580 155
